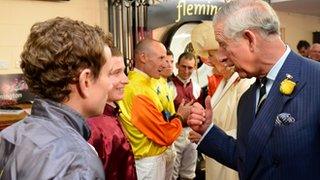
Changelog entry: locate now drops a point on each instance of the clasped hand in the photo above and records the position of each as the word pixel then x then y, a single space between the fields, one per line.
pixel 200 118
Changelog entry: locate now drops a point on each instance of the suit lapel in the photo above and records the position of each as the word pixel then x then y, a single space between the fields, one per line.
pixel 246 113
pixel 264 122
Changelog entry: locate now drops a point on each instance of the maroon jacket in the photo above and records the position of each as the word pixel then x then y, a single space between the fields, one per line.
pixel 110 142
pixel 185 93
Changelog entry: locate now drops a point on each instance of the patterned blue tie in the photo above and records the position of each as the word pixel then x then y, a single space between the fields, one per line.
pixel 262 95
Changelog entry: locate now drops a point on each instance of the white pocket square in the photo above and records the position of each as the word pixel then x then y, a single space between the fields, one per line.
pixel 284 119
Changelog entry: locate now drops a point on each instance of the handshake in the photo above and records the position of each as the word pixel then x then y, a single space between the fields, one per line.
pixel 199 120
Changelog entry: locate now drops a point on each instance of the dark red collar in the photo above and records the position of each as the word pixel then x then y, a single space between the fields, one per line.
pixel 111 111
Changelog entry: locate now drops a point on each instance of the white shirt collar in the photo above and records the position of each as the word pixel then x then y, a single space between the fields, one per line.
pixel 184 81
pixel 276 68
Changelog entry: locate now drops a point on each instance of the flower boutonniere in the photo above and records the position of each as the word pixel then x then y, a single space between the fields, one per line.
pixel 287 85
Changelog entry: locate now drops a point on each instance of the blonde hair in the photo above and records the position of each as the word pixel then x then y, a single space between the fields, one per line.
pixel 203 39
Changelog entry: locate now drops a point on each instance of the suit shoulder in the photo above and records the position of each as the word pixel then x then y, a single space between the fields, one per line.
pixel 311 64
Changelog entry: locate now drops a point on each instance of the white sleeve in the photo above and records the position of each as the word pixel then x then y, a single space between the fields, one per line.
pixel 196 90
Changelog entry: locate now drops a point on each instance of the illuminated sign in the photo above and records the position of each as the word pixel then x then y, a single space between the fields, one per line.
pixel 182 11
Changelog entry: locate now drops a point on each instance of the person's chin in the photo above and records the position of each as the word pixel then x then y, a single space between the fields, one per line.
pixel 184 77
pixel 242 74
pixel 156 76
pixel 166 75
pixel 119 96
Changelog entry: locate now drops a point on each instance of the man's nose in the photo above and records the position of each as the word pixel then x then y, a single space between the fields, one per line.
pixel 167 64
pixel 188 69
pixel 163 64
pixel 223 58
pixel 125 79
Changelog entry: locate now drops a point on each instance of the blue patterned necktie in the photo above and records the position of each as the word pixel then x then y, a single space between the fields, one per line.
pixel 262 95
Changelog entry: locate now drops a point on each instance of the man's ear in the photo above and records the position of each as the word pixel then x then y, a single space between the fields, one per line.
pixel 251 38
pixel 85 82
pixel 143 57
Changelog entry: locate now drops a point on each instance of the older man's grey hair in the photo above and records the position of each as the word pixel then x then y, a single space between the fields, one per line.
pixel 239 15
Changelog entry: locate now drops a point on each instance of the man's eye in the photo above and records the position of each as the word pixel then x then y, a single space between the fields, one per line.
pixel 113 72
pixel 117 72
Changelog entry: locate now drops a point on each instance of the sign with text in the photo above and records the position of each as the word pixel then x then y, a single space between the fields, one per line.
pixel 182 11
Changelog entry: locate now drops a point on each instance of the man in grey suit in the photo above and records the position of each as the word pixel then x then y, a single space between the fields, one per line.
pixel 278 135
